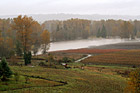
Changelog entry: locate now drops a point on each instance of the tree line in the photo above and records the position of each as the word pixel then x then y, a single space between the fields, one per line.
pixel 82 29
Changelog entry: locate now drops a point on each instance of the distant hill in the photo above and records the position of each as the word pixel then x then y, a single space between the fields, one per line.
pixel 44 17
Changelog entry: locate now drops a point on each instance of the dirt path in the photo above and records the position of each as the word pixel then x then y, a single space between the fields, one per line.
pixel 89 55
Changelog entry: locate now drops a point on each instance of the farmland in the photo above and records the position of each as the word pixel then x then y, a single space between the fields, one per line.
pixel 78 81
pixel 127 57
pixel 89 51
pixel 96 77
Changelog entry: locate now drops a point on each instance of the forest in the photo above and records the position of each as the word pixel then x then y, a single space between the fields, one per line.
pixel 73 29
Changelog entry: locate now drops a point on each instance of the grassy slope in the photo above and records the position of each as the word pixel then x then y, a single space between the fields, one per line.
pixel 33 82
pixel 79 81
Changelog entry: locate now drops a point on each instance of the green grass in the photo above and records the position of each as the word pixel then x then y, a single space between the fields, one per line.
pixel 79 81
pixel 11 84
pixel 112 66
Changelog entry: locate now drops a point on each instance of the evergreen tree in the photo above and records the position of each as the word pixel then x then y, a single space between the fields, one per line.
pixel 98 33
pixel 5 71
pixel 135 31
pixel 103 32
pixel 27 58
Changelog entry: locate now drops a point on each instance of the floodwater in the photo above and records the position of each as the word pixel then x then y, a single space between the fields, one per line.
pixel 65 45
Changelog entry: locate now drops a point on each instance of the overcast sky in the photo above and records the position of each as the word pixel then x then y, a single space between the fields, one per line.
pixel 106 7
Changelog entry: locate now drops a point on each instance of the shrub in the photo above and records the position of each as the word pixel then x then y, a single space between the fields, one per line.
pixel 66 60
pixel 60 61
pixel 42 64
pixel 5 71
pixel 27 58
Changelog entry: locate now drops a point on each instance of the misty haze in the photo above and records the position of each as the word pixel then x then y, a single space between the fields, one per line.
pixel 70 46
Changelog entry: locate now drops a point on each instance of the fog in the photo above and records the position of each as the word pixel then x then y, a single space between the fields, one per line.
pixel 82 44
pixel 108 7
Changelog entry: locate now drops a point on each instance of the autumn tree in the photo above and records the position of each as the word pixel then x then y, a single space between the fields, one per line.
pixel 1 39
pixel 19 35
pixel 23 27
pixel 18 49
pixel 86 32
pixel 133 82
pixel 6 42
pixel 6 47
pixel 1 46
pixel 45 39
pixel 126 30
pixel 36 42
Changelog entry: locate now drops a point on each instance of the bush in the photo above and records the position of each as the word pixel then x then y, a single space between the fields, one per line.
pixel 5 71
pixel 66 60
pixel 42 64
pixel 60 61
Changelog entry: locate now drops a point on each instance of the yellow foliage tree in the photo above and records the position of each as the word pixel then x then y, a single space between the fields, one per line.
pixel 36 27
pixel 24 30
pixel 127 30
pixel 134 82
pixel 23 27
pixel 45 39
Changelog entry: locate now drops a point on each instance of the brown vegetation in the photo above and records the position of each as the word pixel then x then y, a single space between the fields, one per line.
pixel 90 51
pixel 127 57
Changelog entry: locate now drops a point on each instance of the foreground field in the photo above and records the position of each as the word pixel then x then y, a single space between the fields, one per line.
pixel 127 57
pixel 78 81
